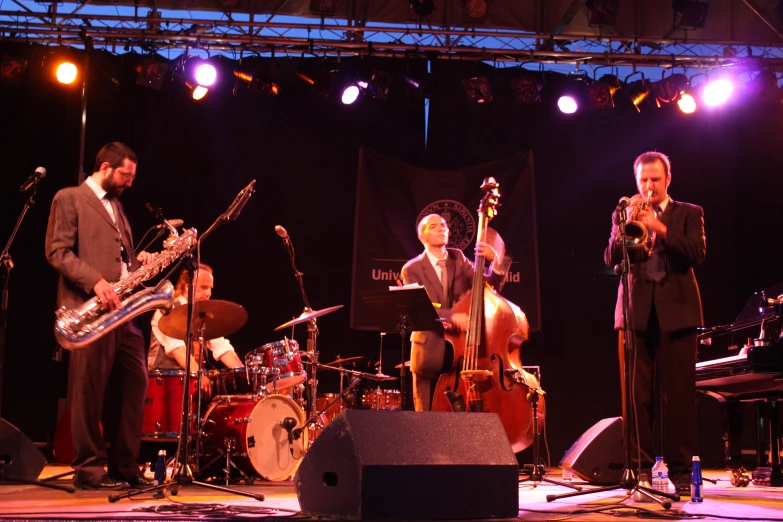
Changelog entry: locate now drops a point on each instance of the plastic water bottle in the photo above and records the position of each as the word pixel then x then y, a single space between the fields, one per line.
pixel 660 475
pixel 160 468
pixel 697 484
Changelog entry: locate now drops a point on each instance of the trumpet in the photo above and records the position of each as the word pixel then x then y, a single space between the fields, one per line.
pixel 636 233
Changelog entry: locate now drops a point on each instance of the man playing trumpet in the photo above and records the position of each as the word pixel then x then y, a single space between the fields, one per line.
pixel 665 310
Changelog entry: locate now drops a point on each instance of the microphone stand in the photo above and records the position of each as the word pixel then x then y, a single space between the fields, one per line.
pixel 6 264
pixel 314 418
pixel 629 478
pixel 312 329
pixel 5 273
pixel 533 394
pixel 184 474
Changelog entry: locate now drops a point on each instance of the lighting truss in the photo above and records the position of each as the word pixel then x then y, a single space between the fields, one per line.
pixel 171 32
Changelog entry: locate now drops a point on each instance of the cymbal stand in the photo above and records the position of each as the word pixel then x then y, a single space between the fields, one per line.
pixel 184 475
pixel 312 326
pixel 533 394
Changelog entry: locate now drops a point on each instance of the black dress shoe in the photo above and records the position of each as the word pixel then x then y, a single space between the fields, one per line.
pixel 100 483
pixel 140 481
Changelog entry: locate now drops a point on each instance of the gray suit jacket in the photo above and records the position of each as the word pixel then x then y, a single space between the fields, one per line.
pixel 428 348
pixel 83 243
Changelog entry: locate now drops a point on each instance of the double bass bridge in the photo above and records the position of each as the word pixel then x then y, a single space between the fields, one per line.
pixel 476 375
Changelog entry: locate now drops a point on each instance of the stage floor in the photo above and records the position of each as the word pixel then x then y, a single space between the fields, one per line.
pixel 194 503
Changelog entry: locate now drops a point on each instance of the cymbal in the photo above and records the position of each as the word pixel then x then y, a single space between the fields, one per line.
pixel 407 364
pixel 306 316
pixel 220 318
pixel 341 360
pixel 378 377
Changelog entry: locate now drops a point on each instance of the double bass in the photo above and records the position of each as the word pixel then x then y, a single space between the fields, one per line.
pixel 487 374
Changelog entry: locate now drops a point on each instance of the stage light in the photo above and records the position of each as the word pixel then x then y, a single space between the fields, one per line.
pixel 262 81
pixel 151 73
pixel 350 94
pixel 422 8
pixel 526 88
pixel 567 104
pixel 637 91
pixel 477 89
pixel 602 13
pixel 206 74
pixel 764 87
pixel 320 79
pixel 474 11
pixel 717 92
pixel 66 73
pixel 197 92
pixel 379 84
pixel 600 94
pixel 669 89
pixel 686 103
pixel 323 7
pixel 689 14
pixel 12 69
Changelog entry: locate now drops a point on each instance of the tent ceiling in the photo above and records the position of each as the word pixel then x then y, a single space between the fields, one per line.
pixel 645 32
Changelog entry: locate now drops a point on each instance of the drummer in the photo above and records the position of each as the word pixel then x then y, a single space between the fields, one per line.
pixel 167 353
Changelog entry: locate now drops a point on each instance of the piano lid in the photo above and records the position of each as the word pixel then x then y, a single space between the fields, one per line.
pixel 759 303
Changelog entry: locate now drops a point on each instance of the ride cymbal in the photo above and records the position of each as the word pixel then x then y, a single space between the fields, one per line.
pixel 306 316
pixel 220 318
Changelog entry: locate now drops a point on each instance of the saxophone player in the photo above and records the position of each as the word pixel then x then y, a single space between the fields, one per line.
pixel 89 242
pixel 665 311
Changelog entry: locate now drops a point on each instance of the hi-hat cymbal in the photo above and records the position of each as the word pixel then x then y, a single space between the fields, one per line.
pixel 341 360
pixel 407 364
pixel 220 318
pixel 378 377
pixel 306 316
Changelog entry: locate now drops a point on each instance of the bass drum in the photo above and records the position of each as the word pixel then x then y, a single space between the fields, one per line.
pixel 254 427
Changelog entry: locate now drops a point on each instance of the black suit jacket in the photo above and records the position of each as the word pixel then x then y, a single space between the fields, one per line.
pixel 428 348
pixel 676 296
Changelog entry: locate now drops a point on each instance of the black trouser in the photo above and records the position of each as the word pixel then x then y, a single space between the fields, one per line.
pixel 665 394
pixel 108 382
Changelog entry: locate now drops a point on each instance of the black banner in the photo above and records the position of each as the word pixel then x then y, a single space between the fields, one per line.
pixel 392 196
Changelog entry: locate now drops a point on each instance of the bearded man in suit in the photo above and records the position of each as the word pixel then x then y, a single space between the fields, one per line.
pixel 446 274
pixel 665 311
pixel 89 242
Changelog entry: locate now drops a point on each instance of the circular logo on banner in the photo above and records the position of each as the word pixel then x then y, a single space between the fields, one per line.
pixel 462 224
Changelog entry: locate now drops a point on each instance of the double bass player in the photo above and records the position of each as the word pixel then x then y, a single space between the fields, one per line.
pixel 446 274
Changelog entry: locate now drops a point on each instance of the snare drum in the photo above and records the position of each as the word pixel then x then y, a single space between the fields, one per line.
pixel 253 426
pixel 230 381
pixel 381 399
pixel 163 405
pixel 281 360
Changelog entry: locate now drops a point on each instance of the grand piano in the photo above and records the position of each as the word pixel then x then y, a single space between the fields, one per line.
pixel 743 362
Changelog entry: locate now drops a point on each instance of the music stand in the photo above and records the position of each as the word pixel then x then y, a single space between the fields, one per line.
pixel 403 310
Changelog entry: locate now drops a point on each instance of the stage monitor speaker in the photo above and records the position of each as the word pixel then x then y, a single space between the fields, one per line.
pixel 404 465
pixel 22 459
pixel 598 456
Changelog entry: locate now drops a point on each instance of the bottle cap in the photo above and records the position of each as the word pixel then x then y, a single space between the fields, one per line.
pixel 696 458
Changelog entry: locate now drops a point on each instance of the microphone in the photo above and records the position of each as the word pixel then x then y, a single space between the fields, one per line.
pixel 176 223
pixel 288 425
pixel 281 232
pixel 32 181
pixel 165 223
pixel 240 201
pixel 624 202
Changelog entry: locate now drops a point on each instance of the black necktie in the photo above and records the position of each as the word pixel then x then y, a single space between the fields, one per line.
pixel 444 282
pixel 656 263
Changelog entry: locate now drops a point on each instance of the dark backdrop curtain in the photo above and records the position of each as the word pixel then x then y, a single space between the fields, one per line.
pixel 303 150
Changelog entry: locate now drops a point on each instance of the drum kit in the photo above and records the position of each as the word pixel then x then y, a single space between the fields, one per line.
pixel 260 420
